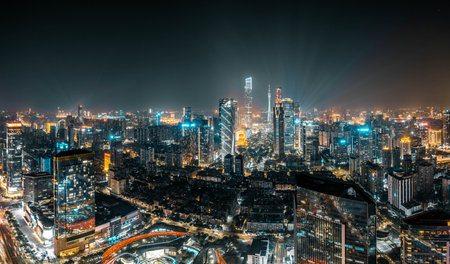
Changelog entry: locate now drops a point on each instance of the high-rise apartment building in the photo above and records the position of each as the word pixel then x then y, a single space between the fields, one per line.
pixel 227 115
pixel 74 194
pixel 400 188
pixel 14 157
pixel 335 222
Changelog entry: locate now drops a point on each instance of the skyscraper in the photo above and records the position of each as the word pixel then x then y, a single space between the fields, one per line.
pixel 289 129
pixel 278 129
pixel 80 111
pixel 227 115
pixel 239 165
pixel 446 128
pixel 187 114
pixel 14 156
pixel 248 101
pixel 279 97
pixel 335 222
pixel 400 188
pixel 74 194
pixel 405 147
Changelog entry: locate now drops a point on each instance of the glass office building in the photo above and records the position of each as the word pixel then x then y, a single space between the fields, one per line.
pixel 74 193
pixel 14 156
pixel 335 222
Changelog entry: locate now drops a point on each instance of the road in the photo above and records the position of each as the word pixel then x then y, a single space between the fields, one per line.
pixel 7 249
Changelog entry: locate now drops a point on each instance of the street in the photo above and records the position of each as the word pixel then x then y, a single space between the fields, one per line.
pixel 7 249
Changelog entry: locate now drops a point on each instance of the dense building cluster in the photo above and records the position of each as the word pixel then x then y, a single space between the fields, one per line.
pixel 329 186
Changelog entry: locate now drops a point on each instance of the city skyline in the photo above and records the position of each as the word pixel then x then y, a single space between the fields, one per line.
pixel 237 132
pixel 346 54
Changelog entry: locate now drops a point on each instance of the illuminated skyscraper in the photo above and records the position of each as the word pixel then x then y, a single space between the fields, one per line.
pixel 279 97
pixel 446 128
pixel 335 222
pixel 80 111
pixel 14 156
pixel 434 137
pixel 190 142
pixel 278 129
pixel 74 194
pixel 206 148
pixel 158 119
pixel 405 147
pixel 227 115
pixel 289 129
pixel 187 114
pixel 248 101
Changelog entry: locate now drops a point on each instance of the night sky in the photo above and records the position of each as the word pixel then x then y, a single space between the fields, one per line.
pixel 168 55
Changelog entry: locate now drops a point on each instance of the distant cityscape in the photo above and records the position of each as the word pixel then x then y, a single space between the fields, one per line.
pixel 238 185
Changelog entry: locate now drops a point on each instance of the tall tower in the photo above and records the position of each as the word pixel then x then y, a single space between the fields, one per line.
pixel 80 111
pixel 187 114
pixel 14 149
pixel 74 193
pixel 446 128
pixel 269 109
pixel 248 101
pixel 289 130
pixel 227 115
pixel 278 129
pixel 279 97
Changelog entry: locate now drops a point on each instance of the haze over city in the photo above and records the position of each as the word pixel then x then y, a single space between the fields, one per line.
pixel 132 56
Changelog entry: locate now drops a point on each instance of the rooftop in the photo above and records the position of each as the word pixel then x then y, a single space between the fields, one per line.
pixel 72 152
pixel 332 186
pixel 109 207
pixel 258 247
pixel 429 218
pixel 38 174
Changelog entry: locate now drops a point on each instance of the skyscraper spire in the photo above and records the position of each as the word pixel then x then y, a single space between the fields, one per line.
pixel 278 100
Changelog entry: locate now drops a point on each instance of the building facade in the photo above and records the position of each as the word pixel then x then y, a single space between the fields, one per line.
pixel 335 222
pixel 289 129
pixel 425 238
pixel 278 129
pixel 14 157
pixel 74 193
pixel 248 102
pixel 227 114
pixel 37 187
